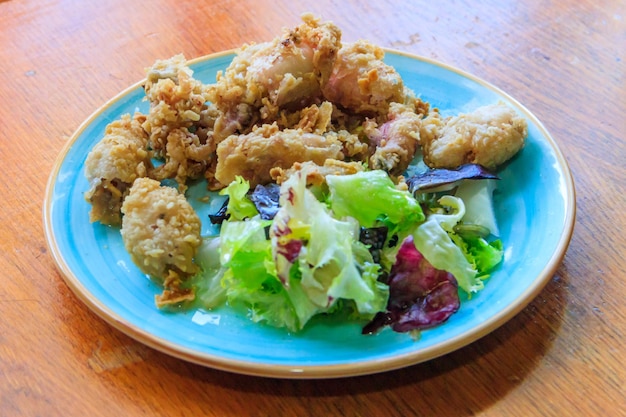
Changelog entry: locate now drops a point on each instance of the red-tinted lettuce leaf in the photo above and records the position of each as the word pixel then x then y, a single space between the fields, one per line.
pixel 420 296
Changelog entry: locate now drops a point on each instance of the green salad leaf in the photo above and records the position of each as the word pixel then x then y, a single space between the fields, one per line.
pixel 329 260
pixel 250 279
pixel 483 255
pixel 309 260
pixel 370 197
pixel 239 205
pixel 432 239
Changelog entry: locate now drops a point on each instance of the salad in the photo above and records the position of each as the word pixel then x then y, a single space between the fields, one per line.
pixel 357 244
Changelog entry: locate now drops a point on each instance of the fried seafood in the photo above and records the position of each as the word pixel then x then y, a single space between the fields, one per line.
pixel 316 174
pixel 185 158
pixel 252 156
pixel 302 104
pixel 396 140
pixel 263 79
pixel 119 158
pixel 488 136
pixel 180 121
pixel 361 82
pixel 313 119
pixel 161 232
pixel 317 119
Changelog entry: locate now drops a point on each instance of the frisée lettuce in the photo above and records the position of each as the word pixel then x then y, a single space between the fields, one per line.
pixel 371 196
pixel 310 259
pixel 312 246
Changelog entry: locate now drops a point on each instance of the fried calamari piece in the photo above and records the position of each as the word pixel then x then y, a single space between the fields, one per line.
pixel 286 73
pixel 252 156
pixel 113 164
pixel 488 136
pixel 313 119
pixel 173 291
pixel 185 158
pixel 396 140
pixel 160 231
pixel 180 121
pixel 177 100
pixel 316 174
pixel 318 119
pixel 361 82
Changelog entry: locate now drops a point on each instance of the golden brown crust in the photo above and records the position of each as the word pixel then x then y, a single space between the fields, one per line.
pixel 180 121
pixel 113 164
pixel 263 79
pixel 316 174
pixel 173 292
pixel 396 140
pixel 160 229
pixel 489 136
pixel 255 154
pixel 361 82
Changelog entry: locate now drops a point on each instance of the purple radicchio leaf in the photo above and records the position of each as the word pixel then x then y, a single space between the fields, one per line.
pixel 265 199
pixel 420 296
pixel 441 177
pixel 221 215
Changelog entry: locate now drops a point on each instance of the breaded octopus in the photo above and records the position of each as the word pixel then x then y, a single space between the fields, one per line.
pixel 161 232
pixel 318 119
pixel 315 173
pixel 252 156
pixel 111 167
pixel 361 82
pixel 284 74
pixel 313 119
pixel 488 136
pixel 395 142
pixel 179 122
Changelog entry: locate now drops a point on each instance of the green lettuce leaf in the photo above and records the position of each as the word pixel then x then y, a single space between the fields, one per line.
pixel 325 258
pixel 432 239
pixel 483 255
pixel 239 205
pixel 371 196
pixel 210 293
pixel 250 279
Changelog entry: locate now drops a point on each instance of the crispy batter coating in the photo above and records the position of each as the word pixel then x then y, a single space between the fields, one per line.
pixel 173 291
pixel 253 155
pixel 316 174
pixel 361 82
pixel 489 136
pixel 179 122
pixel 160 229
pixel 185 159
pixel 396 140
pixel 313 119
pixel 286 73
pixel 113 164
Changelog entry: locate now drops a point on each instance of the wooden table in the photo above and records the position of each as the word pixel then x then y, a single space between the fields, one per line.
pixel 562 355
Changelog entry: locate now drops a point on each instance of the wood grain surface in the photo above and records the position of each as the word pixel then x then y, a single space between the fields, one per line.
pixel 562 355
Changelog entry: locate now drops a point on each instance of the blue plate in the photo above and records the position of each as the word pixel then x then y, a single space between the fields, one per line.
pixel 535 207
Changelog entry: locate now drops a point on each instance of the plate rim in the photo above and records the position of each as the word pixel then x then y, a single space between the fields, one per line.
pixel 315 371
